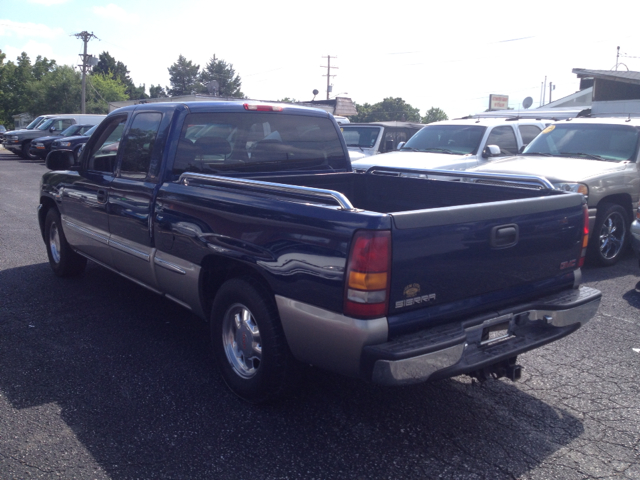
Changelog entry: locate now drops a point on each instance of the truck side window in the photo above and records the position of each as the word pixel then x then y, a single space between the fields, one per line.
pixel 528 133
pixel 138 145
pixel 102 157
pixel 505 138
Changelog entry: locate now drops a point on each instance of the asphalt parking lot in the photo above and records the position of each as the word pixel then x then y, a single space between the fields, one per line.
pixel 101 379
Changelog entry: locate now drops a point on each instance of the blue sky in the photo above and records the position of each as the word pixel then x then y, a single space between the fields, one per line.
pixel 450 55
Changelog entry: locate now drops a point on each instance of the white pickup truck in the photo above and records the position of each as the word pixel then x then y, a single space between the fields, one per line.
pixel 458 144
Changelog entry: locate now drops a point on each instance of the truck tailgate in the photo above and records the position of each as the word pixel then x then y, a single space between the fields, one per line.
pixel 454 261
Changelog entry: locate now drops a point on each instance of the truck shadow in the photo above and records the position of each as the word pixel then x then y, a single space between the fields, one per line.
pixel 134 381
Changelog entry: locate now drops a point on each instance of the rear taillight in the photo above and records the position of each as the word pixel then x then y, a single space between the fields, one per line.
pixel 263 108
pixel 368 274
pixel 585 235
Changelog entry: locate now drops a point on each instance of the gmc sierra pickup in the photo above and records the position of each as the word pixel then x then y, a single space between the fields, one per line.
pixel 250 216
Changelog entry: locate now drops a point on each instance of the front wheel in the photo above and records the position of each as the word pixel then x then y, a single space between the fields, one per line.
pixel 63 260
pixel 609 235
pixel 248 341
pixel 25 152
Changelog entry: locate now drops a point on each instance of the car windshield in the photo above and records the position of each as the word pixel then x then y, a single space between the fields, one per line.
pixel 72 130
pixel 360 136
pixel 613 143
pixel 458 139
pixel 45 125
pixel 90 131
pixel 34 124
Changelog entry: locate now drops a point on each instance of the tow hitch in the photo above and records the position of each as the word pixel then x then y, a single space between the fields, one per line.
pixel 506 368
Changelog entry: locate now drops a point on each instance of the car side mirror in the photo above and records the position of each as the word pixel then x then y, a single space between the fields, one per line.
pixel 491 151
pixel 52 129
pixel 521 149
pixel 400 145
pixel 62 160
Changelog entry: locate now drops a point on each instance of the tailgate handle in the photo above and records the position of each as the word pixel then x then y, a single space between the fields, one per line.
pixel 504 236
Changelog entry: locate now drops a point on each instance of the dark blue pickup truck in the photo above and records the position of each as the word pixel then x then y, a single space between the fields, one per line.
pixel 250 216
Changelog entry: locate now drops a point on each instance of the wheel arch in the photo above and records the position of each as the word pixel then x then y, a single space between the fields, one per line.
pixel 216 270
pixel 46 204
pixel 622 199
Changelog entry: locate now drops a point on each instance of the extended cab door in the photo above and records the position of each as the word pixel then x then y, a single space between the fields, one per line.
pixel 85 214
pixel 131 196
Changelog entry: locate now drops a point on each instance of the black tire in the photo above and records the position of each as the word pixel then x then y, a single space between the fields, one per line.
pixel 63 260
pixel 25 152
pixel 248 342
pixel 610 235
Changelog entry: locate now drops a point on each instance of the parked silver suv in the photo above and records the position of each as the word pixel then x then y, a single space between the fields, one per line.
pixel 597 157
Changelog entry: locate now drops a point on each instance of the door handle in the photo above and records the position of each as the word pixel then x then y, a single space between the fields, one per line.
pixel 505 236
pixel 102 196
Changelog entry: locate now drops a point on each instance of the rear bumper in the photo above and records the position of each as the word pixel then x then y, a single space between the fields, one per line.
pixel 467 346
pixel 361 347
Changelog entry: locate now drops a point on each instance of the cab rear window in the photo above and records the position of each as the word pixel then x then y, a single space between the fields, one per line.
pixel 225 142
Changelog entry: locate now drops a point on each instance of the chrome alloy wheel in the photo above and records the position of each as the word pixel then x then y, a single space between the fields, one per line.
pixel 54 242
pixel 241 340
pixel 612 235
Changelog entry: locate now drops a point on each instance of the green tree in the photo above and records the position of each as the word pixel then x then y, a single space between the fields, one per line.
pixel 434 115
pixel 107 65
pixel 102 91
pixel 157 91
pixel 184 78
pixel 42 67
pixel 59 91
pixel 229 82
pixel 390 109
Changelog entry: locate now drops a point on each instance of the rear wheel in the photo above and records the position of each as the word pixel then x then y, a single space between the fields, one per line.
pixel 63 260
pixel 249 343
pixel 609 236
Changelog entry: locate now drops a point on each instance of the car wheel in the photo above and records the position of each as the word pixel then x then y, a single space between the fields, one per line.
pixel 63 260
pixel 25 152
pixel 609 236
pixel 248 341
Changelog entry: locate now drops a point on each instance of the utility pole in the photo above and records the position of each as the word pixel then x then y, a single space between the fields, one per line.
pixel 328 75
pixel 85 36
pixel 551 87
pixel 544 91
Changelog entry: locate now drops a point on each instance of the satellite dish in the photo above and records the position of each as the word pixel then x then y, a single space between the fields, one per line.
pixel 527 102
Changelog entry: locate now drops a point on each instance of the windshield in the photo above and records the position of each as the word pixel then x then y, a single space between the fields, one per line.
pixel 615 143
pixel 90 131
pixel 458 139
pixel 45 125
pixel 34 123
pixel 364 137
pixel 260 142
pixel 72 130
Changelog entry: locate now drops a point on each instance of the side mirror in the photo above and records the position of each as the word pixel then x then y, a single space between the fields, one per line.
pixel 491 151
pixel 521 149
pixel 52 129
pixel 400 145
pixel 60 160
pixel 388 145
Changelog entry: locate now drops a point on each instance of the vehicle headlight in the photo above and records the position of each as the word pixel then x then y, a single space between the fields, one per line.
pixel 12 138
pixel 63 144
pixel 573 187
